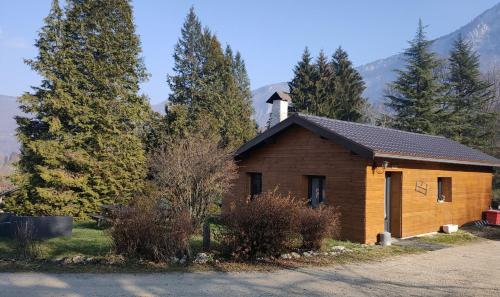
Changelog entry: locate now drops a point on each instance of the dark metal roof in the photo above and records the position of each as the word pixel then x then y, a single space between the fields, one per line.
pixel 279 96
pixel 373 141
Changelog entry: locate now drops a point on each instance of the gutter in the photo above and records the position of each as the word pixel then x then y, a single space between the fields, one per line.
pixel 414 158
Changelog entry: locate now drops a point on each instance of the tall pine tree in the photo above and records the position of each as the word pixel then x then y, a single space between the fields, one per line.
pixel 210 87
pixel 349 104
pixel 333 89
pixel 324 87
pixel 188 60
pixel 302 86
pixel 239 124
pixel 468 118
pixel 416 95
pixel 82 147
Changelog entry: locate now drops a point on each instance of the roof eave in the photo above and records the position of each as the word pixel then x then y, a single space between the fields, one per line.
pixel 435 160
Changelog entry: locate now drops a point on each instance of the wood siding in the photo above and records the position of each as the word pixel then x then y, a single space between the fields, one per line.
pixel 357 187
pixel 421 213
pixel 290 157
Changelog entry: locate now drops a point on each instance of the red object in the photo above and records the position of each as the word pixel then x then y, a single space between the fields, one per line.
pixel 493 217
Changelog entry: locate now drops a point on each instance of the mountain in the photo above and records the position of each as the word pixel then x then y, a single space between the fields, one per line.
pixel 8 110
pixel 259 97
pixel 160 107
pixel 483 33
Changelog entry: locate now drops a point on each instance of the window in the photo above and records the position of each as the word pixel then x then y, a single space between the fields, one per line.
pixel 316 190
pixel 444 189
pixel 255 184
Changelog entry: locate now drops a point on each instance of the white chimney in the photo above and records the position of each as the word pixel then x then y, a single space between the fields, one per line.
pixel 279 111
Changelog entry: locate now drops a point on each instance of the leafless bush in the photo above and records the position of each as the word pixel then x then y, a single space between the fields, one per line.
pixel 316 224
pixel 264 225
pixel 150 229
pixel 25 245
pixel 192 173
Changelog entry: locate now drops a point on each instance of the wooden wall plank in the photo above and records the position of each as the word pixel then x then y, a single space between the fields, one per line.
pixel 421 212
pixel 357 187
pixel 288 159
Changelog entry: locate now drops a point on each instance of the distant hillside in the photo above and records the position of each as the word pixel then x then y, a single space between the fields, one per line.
pixel 483 32
pixel 7 163
pixel 259 97
pixel 160 107
pixel 8 110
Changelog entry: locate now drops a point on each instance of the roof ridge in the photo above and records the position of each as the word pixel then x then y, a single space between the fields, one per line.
pixel 370 125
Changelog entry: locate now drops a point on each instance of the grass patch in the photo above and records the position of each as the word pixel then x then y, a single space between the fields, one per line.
pixel 87 240
pixel 90 241
pixel 459 237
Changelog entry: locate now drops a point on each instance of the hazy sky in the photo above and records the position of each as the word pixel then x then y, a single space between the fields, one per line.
pixel 271 35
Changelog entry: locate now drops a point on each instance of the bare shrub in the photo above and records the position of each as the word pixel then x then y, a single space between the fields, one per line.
pixel 192 173
pixel 150 229
pixel 316 224
pixel 264 225
pixel 25 245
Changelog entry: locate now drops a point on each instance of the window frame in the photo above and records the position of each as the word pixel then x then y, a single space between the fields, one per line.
pixel 321 183
pixel 444 189
pixel 253 175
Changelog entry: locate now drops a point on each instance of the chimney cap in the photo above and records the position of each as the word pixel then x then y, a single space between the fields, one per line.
pixel 279 96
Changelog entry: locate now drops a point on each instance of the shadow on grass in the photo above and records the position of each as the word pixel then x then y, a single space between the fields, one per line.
pixel 486 232
pixel 86 240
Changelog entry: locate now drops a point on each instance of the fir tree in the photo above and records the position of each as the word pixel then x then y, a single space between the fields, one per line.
pixel 241 76
pixel 241 128
pixel 212 85
pixel 188 60
pixel 469 120
pixel 349 104
pixel 302 86
pixel 324 79
pixel 82 147
pixel 416 94
pixel 186 83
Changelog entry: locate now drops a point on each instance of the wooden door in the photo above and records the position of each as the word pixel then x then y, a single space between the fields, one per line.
pixel 396 203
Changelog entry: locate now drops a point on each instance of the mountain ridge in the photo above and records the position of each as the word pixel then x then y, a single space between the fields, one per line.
pixel 483 32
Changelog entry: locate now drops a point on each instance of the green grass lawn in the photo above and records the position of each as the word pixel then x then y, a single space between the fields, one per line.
pixel 87 240
pixel 90 241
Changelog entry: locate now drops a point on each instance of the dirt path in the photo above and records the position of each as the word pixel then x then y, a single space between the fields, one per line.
pixel 471 270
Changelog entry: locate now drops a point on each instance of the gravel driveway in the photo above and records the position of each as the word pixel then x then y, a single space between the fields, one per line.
pixel 470 270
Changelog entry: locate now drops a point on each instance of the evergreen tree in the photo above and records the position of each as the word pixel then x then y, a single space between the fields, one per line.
pixel 469 120
pixel 302 86
pixel 332 89
pixel 188 60
pixel 349 104
pixel 416 94
pixel 82 147
pixel 240 125
pixel 212 85
pixel 241 76
pixel 324 79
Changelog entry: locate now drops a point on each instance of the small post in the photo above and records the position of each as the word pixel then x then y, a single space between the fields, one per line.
pixel 206 235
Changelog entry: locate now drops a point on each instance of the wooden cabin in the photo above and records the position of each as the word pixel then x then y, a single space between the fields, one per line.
pixel 381 179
